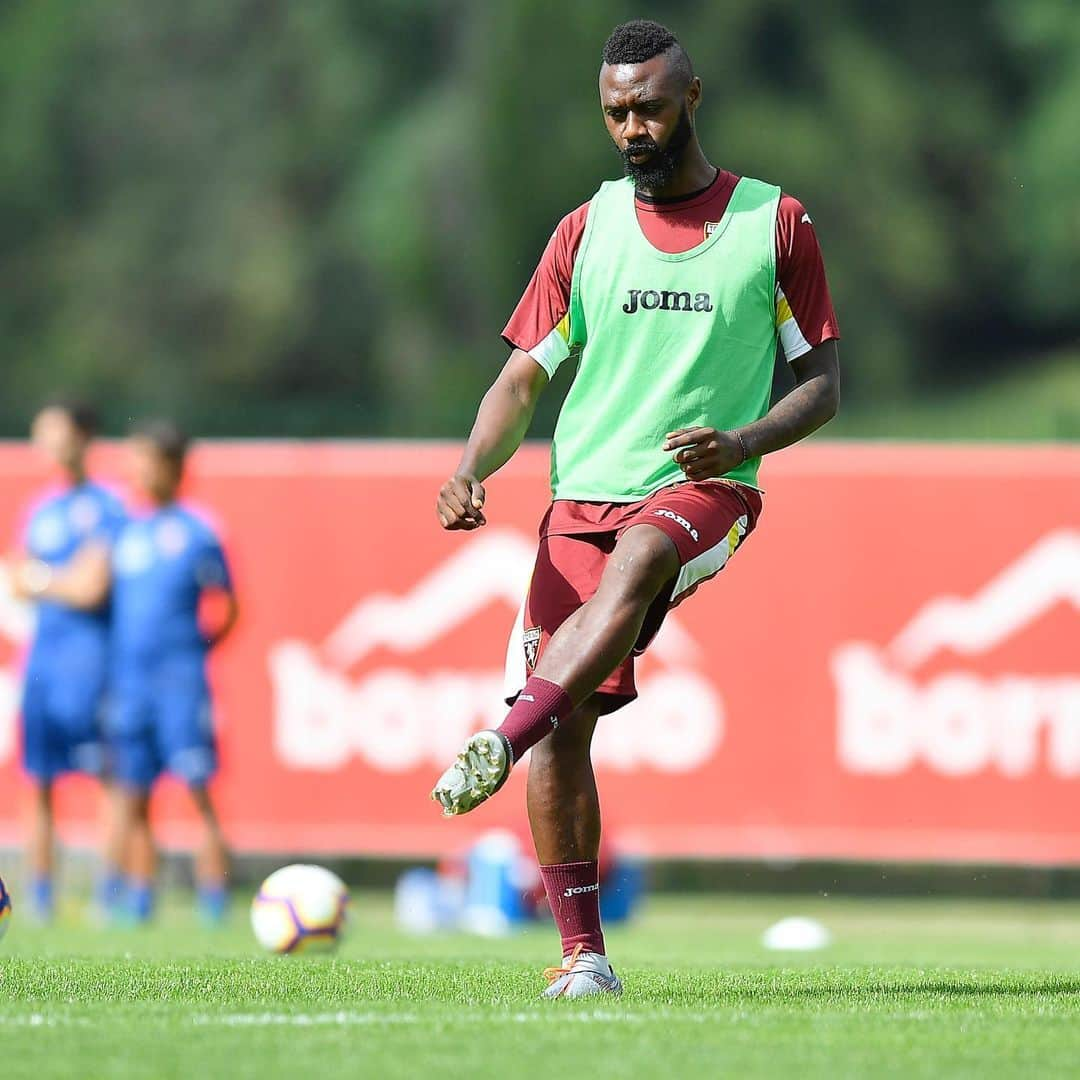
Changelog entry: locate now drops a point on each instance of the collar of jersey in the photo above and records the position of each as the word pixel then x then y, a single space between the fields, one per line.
pixel 627 195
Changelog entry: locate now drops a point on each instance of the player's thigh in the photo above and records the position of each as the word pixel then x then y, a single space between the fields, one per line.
pixel 185 734
pixel 76 706
pixel 133 762
pixel 43 756
pixel 707 522
pixel 566 574
pixel 642 564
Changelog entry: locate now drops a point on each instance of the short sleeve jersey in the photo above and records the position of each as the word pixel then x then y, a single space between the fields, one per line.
pixel 804 312
pixel 162 564
pixel 59 526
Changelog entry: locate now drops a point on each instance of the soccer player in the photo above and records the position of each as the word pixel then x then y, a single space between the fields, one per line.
pixel 166 559
pixel 67 664
pixel 670 288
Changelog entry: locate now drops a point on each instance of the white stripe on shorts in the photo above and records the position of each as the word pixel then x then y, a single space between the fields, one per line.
pixel 710 562
pixel 515 672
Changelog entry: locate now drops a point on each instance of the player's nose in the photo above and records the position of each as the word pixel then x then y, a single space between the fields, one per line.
pixel 633 128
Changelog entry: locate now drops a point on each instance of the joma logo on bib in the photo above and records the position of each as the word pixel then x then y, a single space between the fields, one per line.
pixel 666 300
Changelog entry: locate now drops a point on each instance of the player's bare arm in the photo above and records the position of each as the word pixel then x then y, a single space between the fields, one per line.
pixel 501 423
pixel 83 584
pixel 224 619
pixel 704 453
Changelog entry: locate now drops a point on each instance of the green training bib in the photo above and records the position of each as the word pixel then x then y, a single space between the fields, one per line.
pixel 664 342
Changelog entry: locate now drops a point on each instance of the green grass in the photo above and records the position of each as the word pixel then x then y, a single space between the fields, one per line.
pixel 912 988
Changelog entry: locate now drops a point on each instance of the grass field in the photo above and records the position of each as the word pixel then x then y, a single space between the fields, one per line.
pixel 911 988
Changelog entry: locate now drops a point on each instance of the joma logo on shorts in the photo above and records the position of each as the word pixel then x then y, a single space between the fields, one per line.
pixel 577 890
pixel 666 300
pixel 679 519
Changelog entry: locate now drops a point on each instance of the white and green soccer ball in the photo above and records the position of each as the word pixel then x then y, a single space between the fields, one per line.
pixel 5 908
pixel 300 908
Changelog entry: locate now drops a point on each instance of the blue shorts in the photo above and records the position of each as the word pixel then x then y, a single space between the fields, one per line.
pixel 61 718
pixel 161 721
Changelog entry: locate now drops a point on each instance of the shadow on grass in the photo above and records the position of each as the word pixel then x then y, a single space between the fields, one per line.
pixel 866 988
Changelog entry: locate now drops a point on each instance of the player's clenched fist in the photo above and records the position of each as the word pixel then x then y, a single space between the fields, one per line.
pixel 461 503
pixel 703 453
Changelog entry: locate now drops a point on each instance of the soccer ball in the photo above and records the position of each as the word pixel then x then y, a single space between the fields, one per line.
pixel 5 908
pixel 299 908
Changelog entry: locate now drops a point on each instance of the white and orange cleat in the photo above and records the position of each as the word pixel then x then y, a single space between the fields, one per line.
pixel 583 974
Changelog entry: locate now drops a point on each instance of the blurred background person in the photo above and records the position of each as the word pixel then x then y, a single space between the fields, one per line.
pixel 66 668
pixel 166 560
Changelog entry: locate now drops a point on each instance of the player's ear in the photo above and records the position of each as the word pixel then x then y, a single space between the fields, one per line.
pixel 693 95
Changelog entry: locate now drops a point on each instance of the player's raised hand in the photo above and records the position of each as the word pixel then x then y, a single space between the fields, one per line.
pixel 461 503
pixel 703 453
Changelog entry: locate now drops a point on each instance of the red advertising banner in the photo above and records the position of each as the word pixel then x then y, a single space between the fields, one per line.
pixel 890 668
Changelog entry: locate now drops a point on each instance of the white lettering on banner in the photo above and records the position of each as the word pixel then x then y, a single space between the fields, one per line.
pixel 9 712
pixel 16 624
pixel 395 720
pixel 957 724
pixel 675 726
pixel 964 722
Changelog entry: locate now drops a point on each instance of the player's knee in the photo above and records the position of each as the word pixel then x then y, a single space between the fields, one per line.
pixel 200 796
pixel 643 562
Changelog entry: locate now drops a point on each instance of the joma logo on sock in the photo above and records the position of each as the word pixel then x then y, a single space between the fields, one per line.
pixel 678 519
pixel 577 890
pixel 666 300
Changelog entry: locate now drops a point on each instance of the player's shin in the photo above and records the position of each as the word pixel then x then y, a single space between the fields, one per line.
pixel 538 711
pixel 40 854
pixel 573 892
pixel 42 898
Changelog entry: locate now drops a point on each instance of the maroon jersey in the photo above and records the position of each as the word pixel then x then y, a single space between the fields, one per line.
pixel 804 313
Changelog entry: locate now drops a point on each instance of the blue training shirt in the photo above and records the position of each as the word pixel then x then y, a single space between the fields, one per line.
pixel 162 563
pixel 60 525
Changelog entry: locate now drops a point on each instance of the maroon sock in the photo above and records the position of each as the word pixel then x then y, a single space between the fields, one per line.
pixel 573 891
pixel 540 708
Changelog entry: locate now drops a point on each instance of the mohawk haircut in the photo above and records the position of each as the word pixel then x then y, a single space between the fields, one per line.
pixel 640 40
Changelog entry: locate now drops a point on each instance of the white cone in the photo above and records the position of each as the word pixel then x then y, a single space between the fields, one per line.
pixel 797 934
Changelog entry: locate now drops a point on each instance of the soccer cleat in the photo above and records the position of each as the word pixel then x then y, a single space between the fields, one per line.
pixel 480 770
pixel 582 974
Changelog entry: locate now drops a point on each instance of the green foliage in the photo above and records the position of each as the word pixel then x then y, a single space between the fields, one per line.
pixel 315 218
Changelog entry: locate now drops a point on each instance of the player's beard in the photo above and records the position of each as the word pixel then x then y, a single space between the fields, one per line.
pixel 655 173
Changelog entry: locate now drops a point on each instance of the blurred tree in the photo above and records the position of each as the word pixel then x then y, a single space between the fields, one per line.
pixel 314 218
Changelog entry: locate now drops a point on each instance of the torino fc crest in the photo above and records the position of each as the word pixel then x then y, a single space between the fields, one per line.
pixel 530 641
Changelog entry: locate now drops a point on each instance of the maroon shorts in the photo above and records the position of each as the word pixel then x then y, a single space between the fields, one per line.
pixel 706 520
